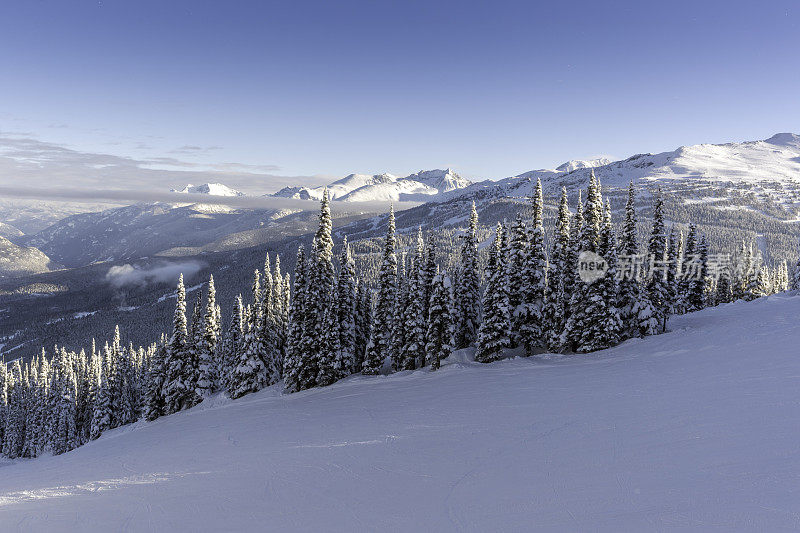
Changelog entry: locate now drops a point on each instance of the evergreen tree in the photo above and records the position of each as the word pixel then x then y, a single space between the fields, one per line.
pixel 516 257
pixel 180 382
pixel 363 325
pixel 3 398
pixel 493 331
pixel 467 295
pixel 207 344
pixel 232 345
pixel 657 286
pixel 14 433
pixel 534 282
pixel 295 357
pixel 763 283
pixel 555 313
pixel 586 307
pixel 672 272
pixel 154 393
pixel 379 347
pixel 429 270
pixel 250 372
pixel 630 278
pixel 698 275
pixel 440 324
pixel 796 275
pixel 413 312
pixel 346 310
pixel 399 341
pixel 101 410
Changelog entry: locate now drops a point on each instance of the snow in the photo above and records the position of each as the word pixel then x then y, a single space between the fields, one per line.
pixel 212 189
pixel 696 429
pixel 425 185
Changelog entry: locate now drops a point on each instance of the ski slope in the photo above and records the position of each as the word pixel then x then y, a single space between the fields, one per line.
pixel 697 429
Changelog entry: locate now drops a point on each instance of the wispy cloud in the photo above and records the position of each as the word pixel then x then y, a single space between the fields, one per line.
pixel 39 164
pixel 122 196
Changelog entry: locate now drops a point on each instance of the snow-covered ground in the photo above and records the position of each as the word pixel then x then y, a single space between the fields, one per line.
pixel 697 429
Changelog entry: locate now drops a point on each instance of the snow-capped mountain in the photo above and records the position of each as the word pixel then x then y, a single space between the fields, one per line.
pixel 212 189
pixel 768 168
pixel 575 164
pixel 16 261
pixel 423 186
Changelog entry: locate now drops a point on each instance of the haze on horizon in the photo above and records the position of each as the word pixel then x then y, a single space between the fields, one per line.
pixel 260 95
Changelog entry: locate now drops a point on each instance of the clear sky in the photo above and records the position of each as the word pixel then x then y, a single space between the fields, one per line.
pixel 310 90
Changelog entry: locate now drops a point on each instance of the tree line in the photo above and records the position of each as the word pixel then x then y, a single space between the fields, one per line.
pixel 327 323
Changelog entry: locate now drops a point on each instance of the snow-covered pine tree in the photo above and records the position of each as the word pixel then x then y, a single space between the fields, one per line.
pixel 439 334
pixel 493 331
pixel 250 373
pixel 630 279
pixel 571 277
pixel 698 277
pixel 279 311
pixel 329 360
pixel 398 324
pixel 413 312
pixel 154 388
pixel 608 332
pixel 232 345
pixel 657 289
pixel 586 309
pixel 429 269
pixel 180 382
pixel 672 271
pixel 33 408
pixel 207 344
pixel 687 259
pixel 363 324
pixel 467 290
pixel 64 386
pixel 763 282
pixel 380 344
pixel 294 359
pixel 346 310
pixel 795 285
pixel 14 434
pixel 534 281
pixel 516 257
pixel 783 277
pixel 3 398
pixel 724 292
pixel 101 410
pixel 128 397
pixel 321 302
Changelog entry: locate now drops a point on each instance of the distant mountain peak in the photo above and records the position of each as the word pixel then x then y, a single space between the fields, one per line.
pixel 784 139
pixel 575 164
pixel 425 185
pixel 212 189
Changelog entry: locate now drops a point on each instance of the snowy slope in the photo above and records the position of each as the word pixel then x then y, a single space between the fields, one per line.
pixel 697 429
pixel 423 186
pixel 17 261
pixel 212 189
pixel 768 169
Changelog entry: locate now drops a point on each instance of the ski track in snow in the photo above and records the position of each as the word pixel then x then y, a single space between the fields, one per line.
pixel 696 429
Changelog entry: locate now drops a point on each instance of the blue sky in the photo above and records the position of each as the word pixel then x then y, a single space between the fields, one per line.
pixel 262 94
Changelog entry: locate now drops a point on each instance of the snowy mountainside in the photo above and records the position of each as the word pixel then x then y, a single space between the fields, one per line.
pixel 423 186
pixel 148 229
pixel 765 169
pixel 17 261
pixel 212 189
pixel 690 430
